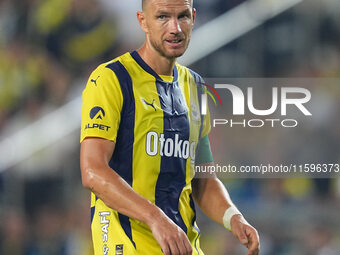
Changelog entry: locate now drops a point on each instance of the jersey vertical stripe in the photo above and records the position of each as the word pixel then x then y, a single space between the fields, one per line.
pixel 123 154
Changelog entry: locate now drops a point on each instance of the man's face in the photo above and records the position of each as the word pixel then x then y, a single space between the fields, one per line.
pixel 168 25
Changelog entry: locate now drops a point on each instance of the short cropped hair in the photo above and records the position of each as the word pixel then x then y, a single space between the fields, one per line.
pixel 144 2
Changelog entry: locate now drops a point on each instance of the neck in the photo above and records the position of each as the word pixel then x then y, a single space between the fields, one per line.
pixel 160 64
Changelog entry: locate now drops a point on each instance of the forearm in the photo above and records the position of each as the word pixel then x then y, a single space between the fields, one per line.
pixel 214 200
pixel 212 197
pixel 118 195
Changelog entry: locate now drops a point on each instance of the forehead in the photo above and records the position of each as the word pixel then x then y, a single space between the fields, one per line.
pixel 168 5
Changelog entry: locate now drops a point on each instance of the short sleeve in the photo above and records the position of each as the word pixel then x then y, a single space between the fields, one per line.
pixel 204 154
pixel 102 102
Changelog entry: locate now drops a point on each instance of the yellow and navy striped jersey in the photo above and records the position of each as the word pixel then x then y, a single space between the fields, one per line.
pixel 156 125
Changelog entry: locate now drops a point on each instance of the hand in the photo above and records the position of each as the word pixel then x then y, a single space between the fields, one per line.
pixel 246 234
pixel 170 237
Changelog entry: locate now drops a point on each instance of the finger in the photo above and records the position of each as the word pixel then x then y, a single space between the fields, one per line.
pixel 165 249
pixel 174 248
pixel 180 247
pixel 183 245
pixel 254 249
pixel 242 237
pixel 182 250
pixel 253 237
pixel 187 245
pixel 254 246
pixel 254 242
pixel 253 252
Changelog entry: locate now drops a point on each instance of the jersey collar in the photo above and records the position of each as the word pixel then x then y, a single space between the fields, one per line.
pixel 148 69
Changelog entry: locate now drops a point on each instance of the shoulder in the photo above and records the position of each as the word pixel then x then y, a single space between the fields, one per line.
pixel 111 72
pixel 104 79
pixel 111 66
pixel 183 70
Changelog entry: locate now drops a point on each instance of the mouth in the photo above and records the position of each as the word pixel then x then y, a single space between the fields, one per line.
pixel 175 43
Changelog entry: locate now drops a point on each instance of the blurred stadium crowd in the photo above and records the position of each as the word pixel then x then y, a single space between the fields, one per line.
pixel 49 47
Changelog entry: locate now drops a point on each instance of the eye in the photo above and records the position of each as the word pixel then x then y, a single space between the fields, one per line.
pixel 161 17
pixel 183 16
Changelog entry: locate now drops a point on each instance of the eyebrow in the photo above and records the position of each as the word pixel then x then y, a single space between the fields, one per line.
pixel 165 12
pixel 161 12
pixel 186 11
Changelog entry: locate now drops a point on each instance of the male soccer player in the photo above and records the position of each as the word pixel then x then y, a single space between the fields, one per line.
pixel 141 135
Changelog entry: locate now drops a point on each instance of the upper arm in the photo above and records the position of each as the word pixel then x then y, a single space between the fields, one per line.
pixel 199 183
pixel 95 154
pixel 100 119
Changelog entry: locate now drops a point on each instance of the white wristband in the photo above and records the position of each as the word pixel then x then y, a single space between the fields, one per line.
pixel 230 212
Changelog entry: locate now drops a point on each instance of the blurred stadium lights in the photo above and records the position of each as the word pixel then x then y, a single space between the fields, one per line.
pixel 205 40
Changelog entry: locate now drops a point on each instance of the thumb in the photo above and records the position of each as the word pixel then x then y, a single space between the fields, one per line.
pixel 243 238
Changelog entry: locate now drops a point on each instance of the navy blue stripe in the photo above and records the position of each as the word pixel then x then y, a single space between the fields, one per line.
pixel 92 212
pixel 172 177
pixel 175 73
pixel 121 160
pixel 126 225
pixel 148 69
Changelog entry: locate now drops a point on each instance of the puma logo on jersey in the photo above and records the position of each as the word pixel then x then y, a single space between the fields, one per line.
pixel 150 104
pixel 95 81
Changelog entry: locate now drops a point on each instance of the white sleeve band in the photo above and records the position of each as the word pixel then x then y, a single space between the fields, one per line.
pixel 230 212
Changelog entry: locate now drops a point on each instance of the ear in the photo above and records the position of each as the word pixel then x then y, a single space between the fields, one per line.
pixel 193 15
pixel 142 21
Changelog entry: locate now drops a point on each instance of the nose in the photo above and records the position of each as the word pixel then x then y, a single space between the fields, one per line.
pixel 174 26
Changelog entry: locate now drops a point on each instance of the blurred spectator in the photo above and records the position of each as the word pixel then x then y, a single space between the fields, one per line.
pixel 81 37
pixel 13 232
